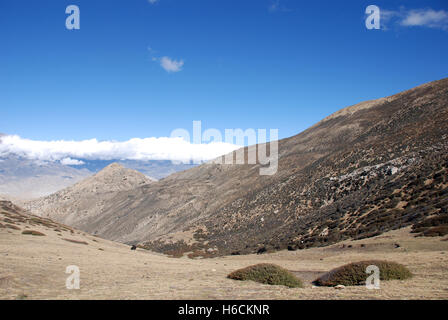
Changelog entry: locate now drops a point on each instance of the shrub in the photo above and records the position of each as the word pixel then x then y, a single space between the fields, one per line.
pixel 354 274
pixel 432 227
pixel 33 233
pixel 75 241
pixel 432 222
pixel 9 226
pixel 439 231
pixel 267 274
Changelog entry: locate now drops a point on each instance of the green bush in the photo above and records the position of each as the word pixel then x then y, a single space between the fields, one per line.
pixel 267 274
pixel 354 274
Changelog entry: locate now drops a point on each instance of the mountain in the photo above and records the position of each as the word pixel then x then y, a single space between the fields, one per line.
pixel 26 179
pixel 77 204
pixel 22 178
pixel 155 169
pixel 366 169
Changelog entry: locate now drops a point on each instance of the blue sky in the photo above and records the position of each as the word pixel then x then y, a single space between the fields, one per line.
pixel 243 64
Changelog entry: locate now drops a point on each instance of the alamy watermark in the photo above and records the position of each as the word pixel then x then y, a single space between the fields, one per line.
pixel 258 150
pixel 73 280
pixel 73 20
pixel 373 19
pixel 373 281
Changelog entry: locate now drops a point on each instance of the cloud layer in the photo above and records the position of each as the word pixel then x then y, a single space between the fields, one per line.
pixel 70 152
pixel 429 18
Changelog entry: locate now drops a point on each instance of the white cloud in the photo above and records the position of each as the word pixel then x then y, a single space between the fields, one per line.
pixel 69 152
pixel 171 65
pixel 168 64
pixel 153 1
pixel 387 16
pixel 414 18
pixel 426 17
pixel 71 162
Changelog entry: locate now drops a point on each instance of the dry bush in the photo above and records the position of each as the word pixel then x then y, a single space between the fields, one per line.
pixel 75 241
pixel 267 274
pixel 439 231
pixel 9 226
pixel 354 274
pixel 33 233
pixel 432 227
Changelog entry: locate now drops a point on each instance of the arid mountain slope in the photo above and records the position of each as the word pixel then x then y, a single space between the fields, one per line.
pixel 86 199
pixel 366 169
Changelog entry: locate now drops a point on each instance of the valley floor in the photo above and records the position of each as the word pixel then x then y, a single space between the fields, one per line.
pixel 33 267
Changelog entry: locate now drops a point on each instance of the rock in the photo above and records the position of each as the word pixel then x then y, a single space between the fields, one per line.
pixel 339 287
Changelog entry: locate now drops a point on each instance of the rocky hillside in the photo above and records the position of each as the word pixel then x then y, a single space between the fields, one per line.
pixel 366 169
pixel 77 204
pixel 13 217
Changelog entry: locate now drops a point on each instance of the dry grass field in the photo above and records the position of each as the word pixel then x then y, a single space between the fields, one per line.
pixel 33 267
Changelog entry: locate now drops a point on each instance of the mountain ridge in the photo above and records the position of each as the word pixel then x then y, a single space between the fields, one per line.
pixel 87 197
pixel 336 180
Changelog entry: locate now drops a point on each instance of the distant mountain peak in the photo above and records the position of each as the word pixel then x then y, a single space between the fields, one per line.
pixel 87 198
pixel 114 166
pixel 117 173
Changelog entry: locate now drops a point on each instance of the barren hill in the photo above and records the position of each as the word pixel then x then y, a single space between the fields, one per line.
pixel 75 205
pixel 366 169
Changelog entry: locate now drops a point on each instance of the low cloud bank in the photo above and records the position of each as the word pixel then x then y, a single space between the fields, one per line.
pixel 70 152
